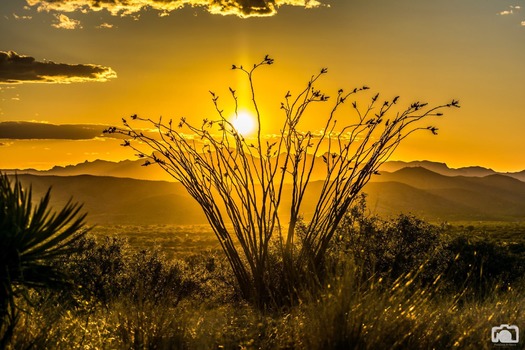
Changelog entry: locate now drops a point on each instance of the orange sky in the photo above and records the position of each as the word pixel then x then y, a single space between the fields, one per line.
pixel 95 65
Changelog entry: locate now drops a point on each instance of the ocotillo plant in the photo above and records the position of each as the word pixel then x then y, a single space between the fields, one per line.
pixel 240 183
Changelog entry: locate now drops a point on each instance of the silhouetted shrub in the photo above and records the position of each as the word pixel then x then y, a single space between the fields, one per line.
pixel 98 267
pixel 406 244
pixel 483 265
pixel 108 268
pixel 209 277
pixel 392 248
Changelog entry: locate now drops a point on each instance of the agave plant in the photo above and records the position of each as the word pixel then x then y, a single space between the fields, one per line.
pixel 32 239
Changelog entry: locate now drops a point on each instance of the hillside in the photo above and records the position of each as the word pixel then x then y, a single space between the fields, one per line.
pixel 410 190
pixel 435 196
pixel 119 201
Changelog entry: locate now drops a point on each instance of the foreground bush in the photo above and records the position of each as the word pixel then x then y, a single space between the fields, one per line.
pixel 484 264
pixel 108 269
pixel 391 248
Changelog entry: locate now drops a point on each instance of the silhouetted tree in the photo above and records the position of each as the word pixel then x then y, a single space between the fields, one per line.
pixel 239 181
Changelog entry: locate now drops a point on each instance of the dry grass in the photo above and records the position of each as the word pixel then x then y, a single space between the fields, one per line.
pixel 348 315
pixel 155 302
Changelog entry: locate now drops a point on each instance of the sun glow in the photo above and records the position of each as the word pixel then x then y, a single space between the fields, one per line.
pixel 244 122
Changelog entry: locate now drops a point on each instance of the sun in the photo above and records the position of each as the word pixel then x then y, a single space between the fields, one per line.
pixel 244 122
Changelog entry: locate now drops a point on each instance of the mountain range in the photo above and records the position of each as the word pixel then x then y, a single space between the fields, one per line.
pixel 134 169
pixel 411 189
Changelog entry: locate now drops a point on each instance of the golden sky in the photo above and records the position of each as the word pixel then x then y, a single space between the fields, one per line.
pixel 68 68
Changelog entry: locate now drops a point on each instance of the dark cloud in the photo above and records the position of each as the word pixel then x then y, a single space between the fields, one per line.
pixel 33 130
pixel 15 68
pixel 241 8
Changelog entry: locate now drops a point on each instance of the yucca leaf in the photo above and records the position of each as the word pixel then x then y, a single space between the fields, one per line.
pixel 32 238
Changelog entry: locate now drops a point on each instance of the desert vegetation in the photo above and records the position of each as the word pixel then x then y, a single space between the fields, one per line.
pixel 340 278
pixel 452 287
pixel 240 181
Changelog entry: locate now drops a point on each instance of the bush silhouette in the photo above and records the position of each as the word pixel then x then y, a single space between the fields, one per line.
pixel 32 239
pixel 484 265
pixel 108 269
pixel 392 248
pixel 239 181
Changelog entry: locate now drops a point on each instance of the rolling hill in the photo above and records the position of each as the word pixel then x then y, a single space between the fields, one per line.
pixel 416 190
pixel 111 200
pixel 492 197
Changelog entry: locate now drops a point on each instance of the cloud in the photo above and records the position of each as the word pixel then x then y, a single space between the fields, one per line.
pixel 15 68
pixel 523 23
pixel 34 130
pixel 511 11
pixel 240 8
pixel 105 25
pixel 15 16
pixel 64 22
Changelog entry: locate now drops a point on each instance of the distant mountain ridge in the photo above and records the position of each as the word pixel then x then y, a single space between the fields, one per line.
pixel 125 169
pixel 134 169
pixel 112 200
pixel 443 169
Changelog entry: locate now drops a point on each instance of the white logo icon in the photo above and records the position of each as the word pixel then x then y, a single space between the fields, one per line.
pixel 506 334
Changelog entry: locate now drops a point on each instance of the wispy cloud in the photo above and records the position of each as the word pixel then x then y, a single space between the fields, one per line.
pixel 64 22
pixel 105 25
pixel 511 10
pixel 240 8
pixel 18 17
pixel 15 69
pixel 35 130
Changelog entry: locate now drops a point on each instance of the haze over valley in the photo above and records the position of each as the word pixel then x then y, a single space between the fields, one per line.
pixel 126 192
